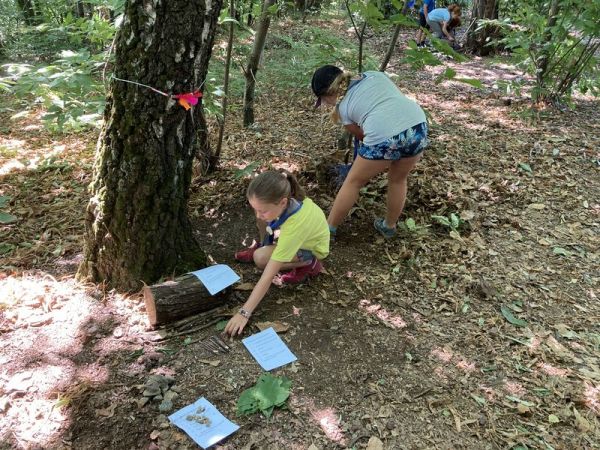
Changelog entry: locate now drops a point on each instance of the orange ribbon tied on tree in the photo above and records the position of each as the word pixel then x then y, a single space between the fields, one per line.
pixel 188 99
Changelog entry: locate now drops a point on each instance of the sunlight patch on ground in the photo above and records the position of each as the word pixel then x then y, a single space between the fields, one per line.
pixel 514 388
pixel 592 397
pixel 375 309
pixel 46 317
pixel 330 424
pixel 37 421
pixel 443 354
pixel 553 371
pixel 447 356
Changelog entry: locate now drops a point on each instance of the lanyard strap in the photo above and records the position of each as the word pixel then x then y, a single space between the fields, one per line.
pixel 276 224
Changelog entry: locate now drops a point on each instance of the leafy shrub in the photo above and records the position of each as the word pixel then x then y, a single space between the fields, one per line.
pixel 67 88
pixel 554 41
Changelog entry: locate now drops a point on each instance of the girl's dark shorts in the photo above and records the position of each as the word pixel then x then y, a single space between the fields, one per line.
pixel 422 20
pixel 406 144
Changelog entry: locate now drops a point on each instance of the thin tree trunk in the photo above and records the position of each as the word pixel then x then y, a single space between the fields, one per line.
pixel 137 226
pixel 254 60
pixel 217 155
pixel 542 67
pixel 361 42
pixel 360 35
pixel 390 50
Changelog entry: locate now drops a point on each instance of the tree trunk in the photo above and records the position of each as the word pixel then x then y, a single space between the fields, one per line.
pixel 254 60
pixel 361 44
pixel 137 227
pixel 477 40
pixel 214 161
pixel 542 68
pixel 183 297
pixel 390 50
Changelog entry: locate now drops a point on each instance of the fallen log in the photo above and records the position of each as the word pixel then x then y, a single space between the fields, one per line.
pixel 182 297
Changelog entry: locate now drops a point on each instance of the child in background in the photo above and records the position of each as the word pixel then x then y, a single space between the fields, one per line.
pixel 279 203
pixel 426 8
pixel 443 20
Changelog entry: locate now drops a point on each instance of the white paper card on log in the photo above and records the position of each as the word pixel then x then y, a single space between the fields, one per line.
pixel 203 423
pixel 216 278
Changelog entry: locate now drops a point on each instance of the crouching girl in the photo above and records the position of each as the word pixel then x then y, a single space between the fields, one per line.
pixel 280 204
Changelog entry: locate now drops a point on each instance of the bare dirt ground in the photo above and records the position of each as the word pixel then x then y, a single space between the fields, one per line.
pixel 410 340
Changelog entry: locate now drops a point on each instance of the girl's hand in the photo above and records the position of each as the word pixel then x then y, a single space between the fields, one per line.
pixel 236 325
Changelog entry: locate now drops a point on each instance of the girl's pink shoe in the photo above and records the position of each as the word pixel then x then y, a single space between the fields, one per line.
pixel 246 255
pixel 300 274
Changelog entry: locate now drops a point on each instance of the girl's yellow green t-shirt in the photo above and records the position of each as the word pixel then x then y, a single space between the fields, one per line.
pixel 307 230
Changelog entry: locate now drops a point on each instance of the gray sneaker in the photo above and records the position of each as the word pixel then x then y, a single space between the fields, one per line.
pixel 379 224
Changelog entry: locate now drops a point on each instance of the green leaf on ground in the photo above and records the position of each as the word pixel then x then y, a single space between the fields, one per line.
pixel 526 167
pixel 508 315
pixel 561 251
pixel 268 393
pixel 471 81
pixel 220 326
pixel 6 218
pixel 410 224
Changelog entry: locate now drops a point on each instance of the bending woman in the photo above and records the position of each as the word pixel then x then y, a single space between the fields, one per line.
pixel 393 131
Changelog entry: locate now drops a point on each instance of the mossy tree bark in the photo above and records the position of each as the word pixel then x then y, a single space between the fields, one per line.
pixel 137 225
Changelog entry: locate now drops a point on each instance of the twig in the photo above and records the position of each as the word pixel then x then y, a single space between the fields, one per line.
pixel 358 438
pixel 193 330
pixel 422 393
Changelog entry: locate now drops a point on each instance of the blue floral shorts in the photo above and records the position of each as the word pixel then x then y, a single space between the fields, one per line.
pixel 409 143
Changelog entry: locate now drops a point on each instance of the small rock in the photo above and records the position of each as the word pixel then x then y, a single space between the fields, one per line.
pixel 158 398
pixel 143 402
pixel 165 406
pixel 374 443
pixel 170 396
pixel 482 420
pixel 155 435
pixel 176 388
pixel 151 391
pixel 160 380
pixel 523 409
pixel 118 332
pixel 390 425
pixel 164 425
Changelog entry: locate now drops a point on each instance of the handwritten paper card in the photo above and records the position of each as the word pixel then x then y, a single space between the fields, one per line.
pixel 216 278
pixel 203 423
pixel 268 349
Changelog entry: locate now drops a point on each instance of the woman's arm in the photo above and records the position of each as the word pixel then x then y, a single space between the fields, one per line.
pixel 237 323
pixel 445 30
pixel 355 130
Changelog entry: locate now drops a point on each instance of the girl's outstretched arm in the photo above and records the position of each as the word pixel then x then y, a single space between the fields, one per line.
pixel 237 323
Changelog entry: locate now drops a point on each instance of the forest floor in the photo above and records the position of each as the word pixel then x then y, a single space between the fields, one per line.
pixel 485 336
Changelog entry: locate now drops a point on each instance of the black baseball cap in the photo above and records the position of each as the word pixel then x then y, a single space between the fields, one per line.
pixel 322 79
